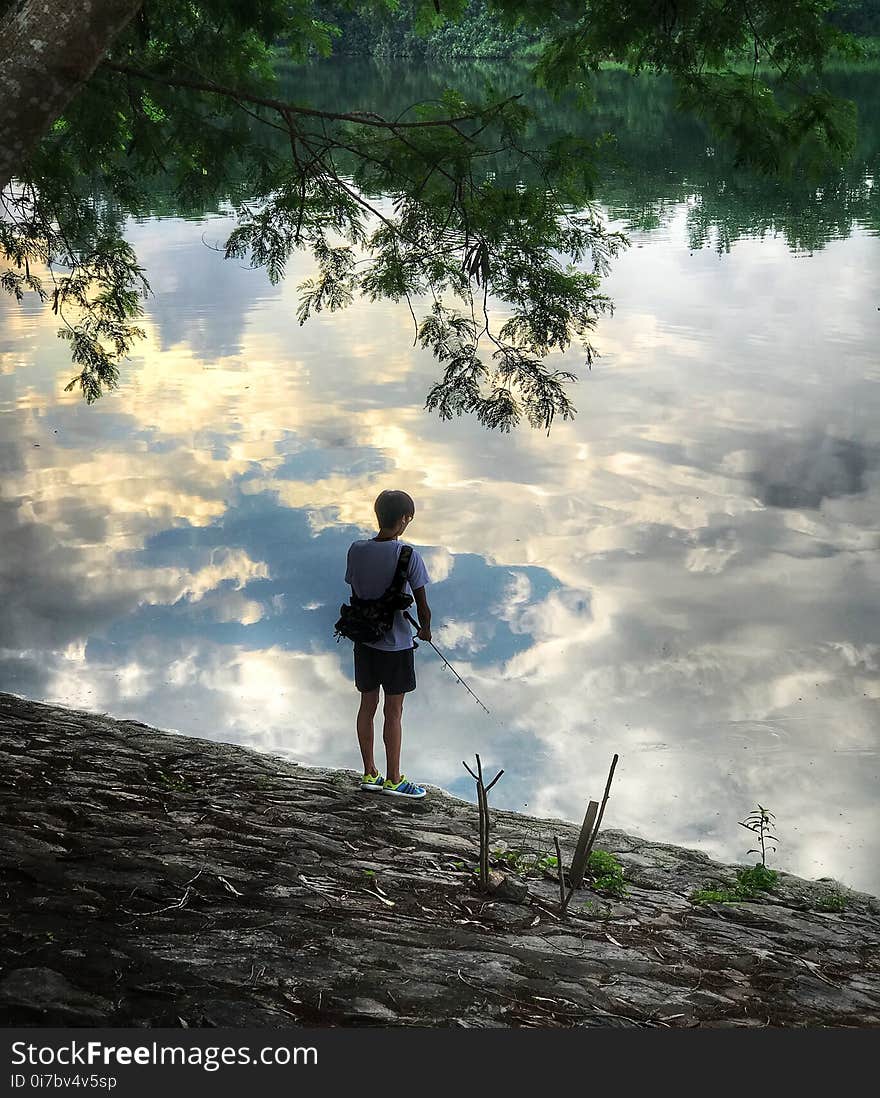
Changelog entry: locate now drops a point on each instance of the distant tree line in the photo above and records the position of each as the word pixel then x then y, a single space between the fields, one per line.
pixel 860 17
pixel 481 32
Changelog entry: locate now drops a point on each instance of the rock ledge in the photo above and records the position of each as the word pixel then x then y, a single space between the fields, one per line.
pixel 152 879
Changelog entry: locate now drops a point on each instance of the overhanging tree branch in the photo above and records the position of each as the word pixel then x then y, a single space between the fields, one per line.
pixel 450 208
pixel 285 108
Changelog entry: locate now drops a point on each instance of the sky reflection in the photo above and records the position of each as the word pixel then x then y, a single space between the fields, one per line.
pixel 687 574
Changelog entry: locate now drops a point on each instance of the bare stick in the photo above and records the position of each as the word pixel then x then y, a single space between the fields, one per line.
pixel 494 780
pixel 483 807
pixel 561 873
pixel 482 834
pixel 182 902
pixel 484 849
pixel 586 839
pixel 604 802
pixel 484 827
pixel 362 118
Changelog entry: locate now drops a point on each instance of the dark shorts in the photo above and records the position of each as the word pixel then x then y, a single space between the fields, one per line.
pixel 395 671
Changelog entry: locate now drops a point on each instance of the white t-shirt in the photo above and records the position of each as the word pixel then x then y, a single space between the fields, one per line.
pixel 370 569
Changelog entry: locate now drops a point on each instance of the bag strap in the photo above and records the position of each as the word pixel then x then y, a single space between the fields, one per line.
pixel 401 570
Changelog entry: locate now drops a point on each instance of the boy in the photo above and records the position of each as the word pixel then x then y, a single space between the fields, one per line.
pixel 387 662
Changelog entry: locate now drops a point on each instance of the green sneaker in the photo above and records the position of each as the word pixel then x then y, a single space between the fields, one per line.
pixel 373 782
pixel 404 788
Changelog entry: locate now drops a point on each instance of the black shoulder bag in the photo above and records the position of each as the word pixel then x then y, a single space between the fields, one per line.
pixel 368 620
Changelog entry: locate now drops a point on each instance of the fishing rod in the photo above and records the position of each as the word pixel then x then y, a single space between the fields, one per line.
pixel 446 661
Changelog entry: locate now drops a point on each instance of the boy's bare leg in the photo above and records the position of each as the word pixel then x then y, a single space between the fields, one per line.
pixel 392 734
pixel 366 712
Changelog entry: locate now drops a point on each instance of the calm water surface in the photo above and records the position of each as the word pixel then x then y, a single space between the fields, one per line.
pixel 687 574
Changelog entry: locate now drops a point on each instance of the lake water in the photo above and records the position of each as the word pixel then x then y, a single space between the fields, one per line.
pixel 687 574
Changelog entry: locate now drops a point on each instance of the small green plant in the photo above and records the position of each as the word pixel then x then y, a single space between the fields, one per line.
pixel 756 879
pixel 524 863
pixel 547 863
pixel 760 822
pixel 604 870
pixel 600 861
pixel 514 860
pixel 749 883
pixel 606 873
pixel 177 782
pixel 831 901
pixel 714 896
pixel 593 910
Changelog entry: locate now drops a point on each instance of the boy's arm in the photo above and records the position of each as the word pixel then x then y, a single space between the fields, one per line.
pixel 424 612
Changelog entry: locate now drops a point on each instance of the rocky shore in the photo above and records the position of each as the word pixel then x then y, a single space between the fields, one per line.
pixel 153 879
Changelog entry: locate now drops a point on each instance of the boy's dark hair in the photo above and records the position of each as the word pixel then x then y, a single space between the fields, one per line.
pixel 391 506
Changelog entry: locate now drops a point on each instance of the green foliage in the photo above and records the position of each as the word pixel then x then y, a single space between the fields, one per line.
pixel 89 276
pixel 593 910
pixel 525 863
pixel 831 901
pixel 702 45
pixel 750 883
pixel 714 896
pixel 766 133
pixel 605 873
pixel 756 879
pixel 661 159
pixel 466 29
pixel 175 782
pixel 451 206
pixel 760 822
pixel 860 17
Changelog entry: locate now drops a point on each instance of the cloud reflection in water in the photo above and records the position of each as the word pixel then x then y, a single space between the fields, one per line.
pixel 687 574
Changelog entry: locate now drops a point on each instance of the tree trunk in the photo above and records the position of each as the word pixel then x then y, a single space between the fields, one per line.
pixel 48 50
